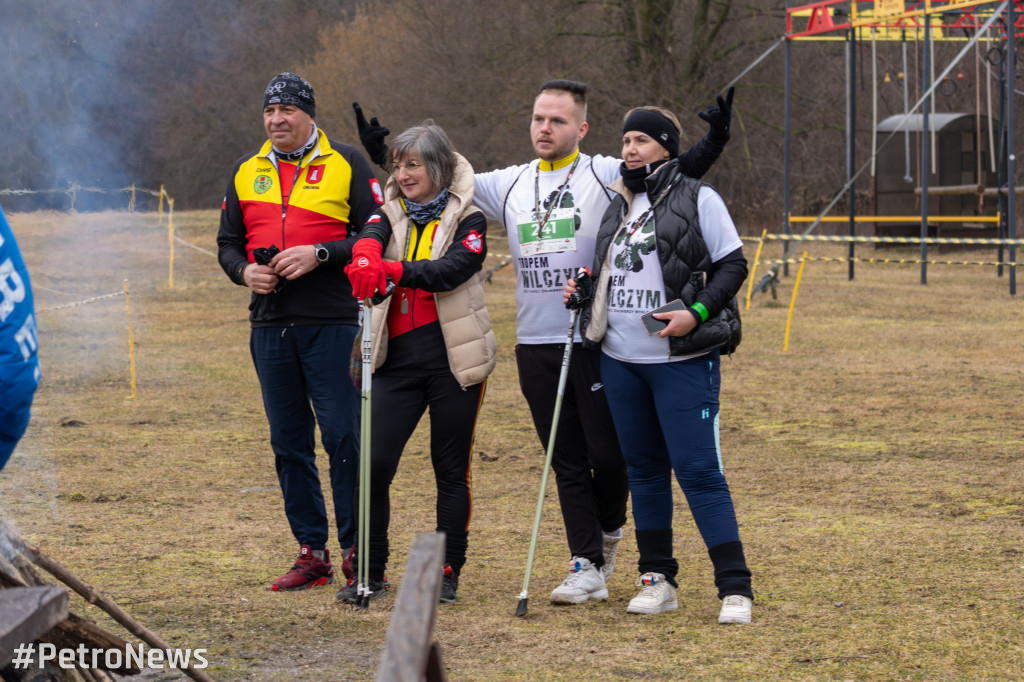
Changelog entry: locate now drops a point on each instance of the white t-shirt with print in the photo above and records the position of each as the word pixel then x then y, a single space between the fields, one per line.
pixel 637 282
pixel 542 267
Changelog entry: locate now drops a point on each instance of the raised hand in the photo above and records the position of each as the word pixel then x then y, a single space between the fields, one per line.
pixel 719 117
pixel 372 135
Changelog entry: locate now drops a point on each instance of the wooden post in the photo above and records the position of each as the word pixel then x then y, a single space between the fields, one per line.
pixel 131 336
pixel 410 653
pixel 91 595
pixel 26 613
pixel 170 241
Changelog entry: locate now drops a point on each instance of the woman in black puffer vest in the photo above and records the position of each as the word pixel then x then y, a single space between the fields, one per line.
pixel 669 238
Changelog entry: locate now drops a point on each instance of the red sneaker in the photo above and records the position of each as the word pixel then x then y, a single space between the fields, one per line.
pixel 348 563
pixel 308 571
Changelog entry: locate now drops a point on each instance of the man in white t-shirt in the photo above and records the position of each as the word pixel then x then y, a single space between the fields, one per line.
pixel 551 209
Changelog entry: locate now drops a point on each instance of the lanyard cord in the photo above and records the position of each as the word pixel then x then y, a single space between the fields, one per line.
pixel 554 202
pixel 643 217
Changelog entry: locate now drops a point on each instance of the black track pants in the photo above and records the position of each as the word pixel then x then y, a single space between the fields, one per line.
pixel 590 472
pixel 398 404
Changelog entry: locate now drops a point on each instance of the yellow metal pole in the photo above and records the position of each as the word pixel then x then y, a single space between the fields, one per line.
pixel 170 240
pixel 160 209
pixel 792 302
pixel 131 337
pixel 753 269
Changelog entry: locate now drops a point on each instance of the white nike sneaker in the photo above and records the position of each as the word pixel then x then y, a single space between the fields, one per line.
pixel 735 609
pixel 584 582
pixel 656 595
pixel 611 545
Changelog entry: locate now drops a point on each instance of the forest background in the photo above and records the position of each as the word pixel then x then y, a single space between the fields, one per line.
pixel 168 92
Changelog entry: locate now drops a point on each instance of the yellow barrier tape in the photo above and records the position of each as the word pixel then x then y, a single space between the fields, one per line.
pixel 905 261
pixel 895 219
pixel 885 240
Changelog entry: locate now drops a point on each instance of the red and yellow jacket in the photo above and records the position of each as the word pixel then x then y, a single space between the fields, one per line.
pixel 324 199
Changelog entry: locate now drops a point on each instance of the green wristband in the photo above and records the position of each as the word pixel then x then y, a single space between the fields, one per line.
pixel 701 310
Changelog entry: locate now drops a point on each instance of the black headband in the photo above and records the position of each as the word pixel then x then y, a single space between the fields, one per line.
pixel 289 88
pixel 659 128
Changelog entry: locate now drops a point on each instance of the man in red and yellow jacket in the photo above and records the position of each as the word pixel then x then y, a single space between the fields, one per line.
pixel 288 222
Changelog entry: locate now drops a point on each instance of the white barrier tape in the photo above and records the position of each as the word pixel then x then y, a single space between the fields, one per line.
pixel 80 303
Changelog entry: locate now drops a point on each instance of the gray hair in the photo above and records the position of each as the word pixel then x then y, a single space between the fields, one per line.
pixel 433 146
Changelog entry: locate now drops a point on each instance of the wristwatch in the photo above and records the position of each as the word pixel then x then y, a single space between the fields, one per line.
pixel 322 254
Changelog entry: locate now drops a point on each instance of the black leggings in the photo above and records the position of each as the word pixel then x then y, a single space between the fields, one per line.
pixel 590 472
pixel 398 404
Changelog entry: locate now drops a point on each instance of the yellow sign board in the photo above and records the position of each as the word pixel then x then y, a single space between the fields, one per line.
pixel 884 8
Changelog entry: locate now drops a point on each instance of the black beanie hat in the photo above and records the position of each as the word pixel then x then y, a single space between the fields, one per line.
pixel 659 128
pixel 289 88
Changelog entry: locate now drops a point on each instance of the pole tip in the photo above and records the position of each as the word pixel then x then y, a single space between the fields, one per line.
pixel 521 608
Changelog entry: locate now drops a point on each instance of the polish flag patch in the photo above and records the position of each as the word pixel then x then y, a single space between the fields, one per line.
pixel 375 218
pixel 377 193
pixel 474 242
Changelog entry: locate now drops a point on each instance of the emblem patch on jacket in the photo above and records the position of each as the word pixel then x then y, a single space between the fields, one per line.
pixel 315 174
pixel 262 184
pixel 474 242
pixel 378 195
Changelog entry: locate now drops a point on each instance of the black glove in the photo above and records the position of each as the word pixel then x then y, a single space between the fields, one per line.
pixel 263 256
pixel 584 290
pixel 719 117
pixel 372 135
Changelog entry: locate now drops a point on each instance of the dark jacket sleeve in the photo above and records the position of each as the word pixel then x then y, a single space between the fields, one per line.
pixel 696 160
pixel 377 227
pixel 364 191
pixel 724 281
pixel 462 259
pixel 231 240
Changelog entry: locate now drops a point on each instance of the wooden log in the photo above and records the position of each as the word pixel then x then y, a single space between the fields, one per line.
pixel 75 630
pixel 26 613
pixel 87 592
pixel 410 654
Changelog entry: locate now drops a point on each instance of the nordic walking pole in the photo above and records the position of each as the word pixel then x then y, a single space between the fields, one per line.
pixel 363 590
pixel 362 552
pixel 563 375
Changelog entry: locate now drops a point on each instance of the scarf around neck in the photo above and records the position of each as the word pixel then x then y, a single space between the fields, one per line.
pixel 421 214
pixel 301 151
pixel 635 179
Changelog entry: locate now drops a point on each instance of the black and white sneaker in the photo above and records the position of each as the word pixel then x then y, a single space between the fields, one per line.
pixel 350 594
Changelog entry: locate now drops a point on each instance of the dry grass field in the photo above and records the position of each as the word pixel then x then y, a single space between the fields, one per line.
pixel 875 467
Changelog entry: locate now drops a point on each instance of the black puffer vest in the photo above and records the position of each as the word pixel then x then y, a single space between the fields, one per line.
pixel 685 262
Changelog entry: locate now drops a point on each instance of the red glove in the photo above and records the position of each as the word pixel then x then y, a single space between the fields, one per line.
pixel 393 270
pixel 365 271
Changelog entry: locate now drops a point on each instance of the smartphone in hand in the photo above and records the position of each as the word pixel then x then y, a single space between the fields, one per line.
pixel 652 325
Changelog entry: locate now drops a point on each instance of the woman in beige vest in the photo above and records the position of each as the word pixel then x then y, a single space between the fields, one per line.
pixel 432 342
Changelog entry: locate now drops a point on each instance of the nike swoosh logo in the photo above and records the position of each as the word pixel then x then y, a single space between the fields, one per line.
pixel 596 387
